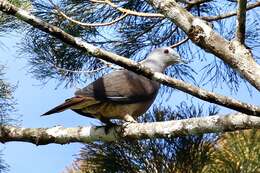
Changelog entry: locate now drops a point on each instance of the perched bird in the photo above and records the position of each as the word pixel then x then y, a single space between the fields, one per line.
pixel 121 94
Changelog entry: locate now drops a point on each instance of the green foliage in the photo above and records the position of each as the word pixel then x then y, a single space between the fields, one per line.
pixel 236 152
pixel 9 23
pixel 6 99
pixel 131 37
pixel 134 37
pixel 185 154
pixel 6 107
pixel 230 152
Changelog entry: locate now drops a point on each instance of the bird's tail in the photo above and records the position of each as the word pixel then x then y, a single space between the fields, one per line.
pixel 66 105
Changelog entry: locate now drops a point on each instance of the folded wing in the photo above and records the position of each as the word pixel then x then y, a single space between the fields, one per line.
pixel 121 86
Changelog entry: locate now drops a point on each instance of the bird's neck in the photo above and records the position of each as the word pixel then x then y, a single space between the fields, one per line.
pixel 153 65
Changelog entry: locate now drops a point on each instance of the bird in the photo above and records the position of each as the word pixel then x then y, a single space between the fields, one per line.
pixel 121 94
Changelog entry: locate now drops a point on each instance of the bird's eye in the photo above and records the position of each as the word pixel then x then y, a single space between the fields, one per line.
pixel 166 51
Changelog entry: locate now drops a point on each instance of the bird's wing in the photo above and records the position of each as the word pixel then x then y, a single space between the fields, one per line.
pixel 121 86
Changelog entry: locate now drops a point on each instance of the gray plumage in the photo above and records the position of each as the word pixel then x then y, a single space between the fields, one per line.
pixel 122 87
pixel 120 94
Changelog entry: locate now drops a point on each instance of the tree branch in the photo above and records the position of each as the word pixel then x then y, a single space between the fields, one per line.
pixel 195 3
pixel 130 12
pixel 83 24
pixel 180 42
pixel 231 52
pixel 241 21
pixel 223 16
pixel 136 67
pixel 175 128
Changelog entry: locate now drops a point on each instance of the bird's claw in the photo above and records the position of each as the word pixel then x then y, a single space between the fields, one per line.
pixel 128 123
pixel 107 127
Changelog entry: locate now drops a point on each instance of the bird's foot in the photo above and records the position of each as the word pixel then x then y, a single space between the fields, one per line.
pixel 107 126
pixel 128 123
pixel 128 118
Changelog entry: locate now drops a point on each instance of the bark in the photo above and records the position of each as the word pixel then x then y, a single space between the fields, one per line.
pixel 175 128
pixel 78 43
pixel 230 14
pixel 231 52
pixel 241 21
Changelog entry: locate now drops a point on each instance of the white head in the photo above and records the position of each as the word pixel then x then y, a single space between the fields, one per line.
pixel 159 59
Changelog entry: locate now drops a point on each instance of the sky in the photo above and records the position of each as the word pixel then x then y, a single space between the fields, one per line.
pixel 34 99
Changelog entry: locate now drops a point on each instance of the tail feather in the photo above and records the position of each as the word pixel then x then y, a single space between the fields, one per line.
pixel 67 105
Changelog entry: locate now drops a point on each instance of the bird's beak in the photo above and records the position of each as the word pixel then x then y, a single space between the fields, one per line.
pixel 176 59
pixel 179 60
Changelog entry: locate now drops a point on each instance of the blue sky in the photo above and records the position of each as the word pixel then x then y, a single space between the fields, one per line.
pixel 34 99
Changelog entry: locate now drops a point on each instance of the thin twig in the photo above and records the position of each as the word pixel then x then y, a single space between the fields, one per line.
pixel 179 43
pixel 193 3
pixel 197 2
pixel 223 16
pixel 241 21
pixel 83 24
pixel 78 71
pixel 130 12
pixel 106 65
